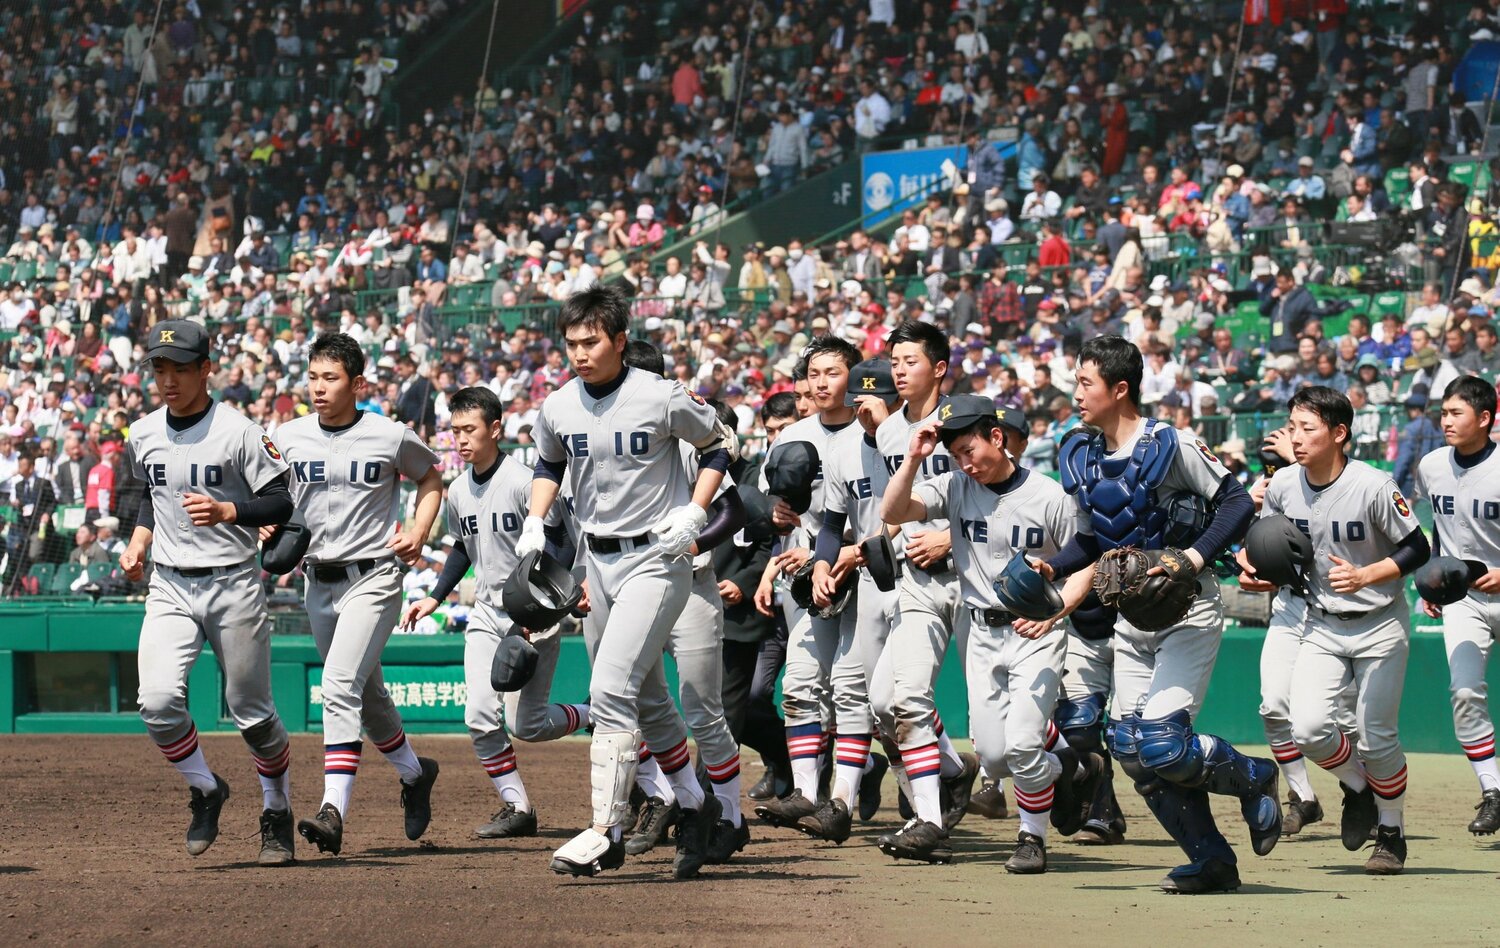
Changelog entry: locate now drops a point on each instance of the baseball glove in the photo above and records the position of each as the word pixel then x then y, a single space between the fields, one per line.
pixel 1150 603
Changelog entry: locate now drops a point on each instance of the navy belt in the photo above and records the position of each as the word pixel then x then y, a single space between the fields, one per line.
pixel 992 617
pixel 944 565
pixel 1342 616
pixel 338 572
pixel 609 545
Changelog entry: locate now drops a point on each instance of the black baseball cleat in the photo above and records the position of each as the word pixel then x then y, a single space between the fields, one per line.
pixel 1030 857
pixel 206 807
pixel 656 818
pixel 1204 877
pixel 416 798
pixel 1389 857
pixel 1073 792
pixel 831 821
pixel 958 790
pixel 1359 819
pixel 1300 813
pixel 633 814
pixel 1487 820
pixel 786 811
pixel 588 854
pixel 695 833
pixel 919 840
pixel 772 784
pixel 278 841
pixel 728 840
pixel 869 788
pixel 989 802
pixel 325 831
pixel 509 823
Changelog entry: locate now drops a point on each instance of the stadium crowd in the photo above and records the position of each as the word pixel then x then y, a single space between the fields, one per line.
pixel 1334 224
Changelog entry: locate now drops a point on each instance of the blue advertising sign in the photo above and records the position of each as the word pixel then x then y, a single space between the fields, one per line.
pixel 892 181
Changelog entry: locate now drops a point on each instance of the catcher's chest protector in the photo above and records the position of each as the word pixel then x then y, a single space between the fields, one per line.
pixel 1120 493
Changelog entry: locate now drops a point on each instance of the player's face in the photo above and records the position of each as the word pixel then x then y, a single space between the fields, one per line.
pixel 1463 426
pixel 914 374
pixel 1313 442
pixel 1015 442
pixel 828 380
pixel 982 457
pixel 1094 397
pixel 802 391
pixel 474 437
pixel 182 385
pixel 596 357
pixel 775 426
pixel 333 392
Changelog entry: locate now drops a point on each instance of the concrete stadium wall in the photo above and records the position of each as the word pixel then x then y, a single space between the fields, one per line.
pixel 425 674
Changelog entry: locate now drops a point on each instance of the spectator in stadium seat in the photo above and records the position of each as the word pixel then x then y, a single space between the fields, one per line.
pixel 1288 307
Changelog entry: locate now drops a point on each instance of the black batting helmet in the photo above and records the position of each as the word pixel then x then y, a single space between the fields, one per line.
pixel 1279 552
pixel 540 592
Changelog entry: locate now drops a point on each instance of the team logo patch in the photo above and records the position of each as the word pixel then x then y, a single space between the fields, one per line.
pixel 868 383
pixel 946 413
pixel 270 447
pixel 1203 450
pixel 167 334
pixel 1402 507
pixel 694 396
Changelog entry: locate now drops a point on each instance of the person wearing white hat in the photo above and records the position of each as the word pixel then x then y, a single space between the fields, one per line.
pixel 1307 186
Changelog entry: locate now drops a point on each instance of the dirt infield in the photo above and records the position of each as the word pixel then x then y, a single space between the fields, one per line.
pixel 92 853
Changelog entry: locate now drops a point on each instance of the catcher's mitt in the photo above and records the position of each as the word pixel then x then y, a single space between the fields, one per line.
pixel 1150 603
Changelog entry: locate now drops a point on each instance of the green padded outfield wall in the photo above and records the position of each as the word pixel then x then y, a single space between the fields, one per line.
pixel 426 677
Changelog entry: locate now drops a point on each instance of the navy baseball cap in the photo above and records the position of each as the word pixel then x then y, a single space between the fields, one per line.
pixel 870 377
pixel 961 411
pixel 180 340
pixel 1013 419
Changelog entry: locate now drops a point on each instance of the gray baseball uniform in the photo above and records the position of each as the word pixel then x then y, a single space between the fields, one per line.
pixel 206 585
pixel 929 615
pixel 347 483
pixel 619 445
pixel 1013 681
pixel 1465 495
pixel 1359 637
pixel 1159 673
pixel 486 517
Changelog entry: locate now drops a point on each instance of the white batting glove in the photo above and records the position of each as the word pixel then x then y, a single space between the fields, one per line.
pixel 676 531
pixel 533 538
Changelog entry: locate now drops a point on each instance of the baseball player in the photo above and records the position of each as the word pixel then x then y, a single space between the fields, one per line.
pixel 347 467
pixel 1365 538
pixel 1014 676
pixel 213 477
pixel 614 432
pixel 486 508
pixel 855 477
pixel 930 614
pixel 1466 522
pixel 1125 479
pixel 812 641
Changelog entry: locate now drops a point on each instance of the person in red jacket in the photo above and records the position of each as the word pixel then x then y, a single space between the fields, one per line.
pixel 1054 251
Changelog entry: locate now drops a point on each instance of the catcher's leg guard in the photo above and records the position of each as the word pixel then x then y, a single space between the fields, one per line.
pixel 1168 747
pixel 1082 722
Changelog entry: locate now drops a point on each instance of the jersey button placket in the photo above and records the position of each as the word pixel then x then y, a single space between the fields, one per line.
pixel 601 442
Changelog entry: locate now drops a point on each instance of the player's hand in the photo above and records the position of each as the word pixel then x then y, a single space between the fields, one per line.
pixel 1432 610
pixel 927 548
pixel 791 560
pixel 1258 491
pixel 418 611
pixel 583 601
pixel 730 593
pixel 408 546
pixel 849 560
pixel 1248 581
pixel 1031 628
pixel 824 584
pixel 676 531
pixel 784 517
pixel 533 538
pixel 266 533
pixel 923 442
pixel 133 562
pixel 1280 442
pixel 763 596
pixel 1193 556
pixel 1044 568
pixel 871 410
pixel 1345 577
pixel 204 511
pixel 1489 582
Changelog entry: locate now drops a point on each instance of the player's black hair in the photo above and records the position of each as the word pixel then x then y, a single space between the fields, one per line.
pixel 1117 361
pixel 601 307
pixel 981 427
pixel 726 414
pixel 1332 407
pixel 933 341
pixel 780 405
pixel 477 398
pixel 829 344
pixel 1474 392
pixel 341 348
pixel 640 354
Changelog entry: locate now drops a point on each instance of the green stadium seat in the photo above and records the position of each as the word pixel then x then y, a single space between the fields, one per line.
pixel 62 580
pixel 1397 184
pixel 25 271
pixel 42 573
pixel 99 572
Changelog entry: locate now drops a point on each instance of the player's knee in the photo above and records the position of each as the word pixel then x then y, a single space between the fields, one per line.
pixel 1314 736
pixel 1168 747
pixel 339 696
pixel 162 708
pixel 266 737
pixel 1468 696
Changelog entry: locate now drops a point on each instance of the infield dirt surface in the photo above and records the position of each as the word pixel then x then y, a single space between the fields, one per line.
pixel 92 853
